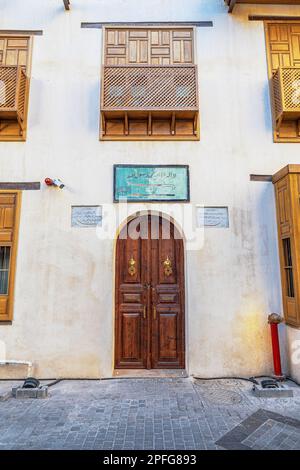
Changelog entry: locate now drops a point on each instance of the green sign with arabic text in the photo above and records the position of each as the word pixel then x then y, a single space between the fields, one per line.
pixel 136 183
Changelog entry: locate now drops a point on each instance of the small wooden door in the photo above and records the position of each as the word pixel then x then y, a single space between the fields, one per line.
pixel 149 328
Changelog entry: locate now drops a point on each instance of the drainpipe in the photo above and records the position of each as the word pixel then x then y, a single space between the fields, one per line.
pixel 274 319
pixel 13 362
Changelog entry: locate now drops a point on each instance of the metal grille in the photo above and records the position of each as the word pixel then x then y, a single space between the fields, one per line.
pixel 137 87
pixel 13 81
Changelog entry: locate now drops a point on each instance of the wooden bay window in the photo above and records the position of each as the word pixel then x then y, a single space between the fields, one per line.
pixel 283 51
pixel 15 58
pixel 149 84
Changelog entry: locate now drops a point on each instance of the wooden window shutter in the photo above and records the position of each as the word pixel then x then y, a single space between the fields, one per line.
pixel 149 46
pixel 9 226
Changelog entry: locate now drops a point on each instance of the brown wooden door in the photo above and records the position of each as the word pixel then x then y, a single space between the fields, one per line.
pixel 149 295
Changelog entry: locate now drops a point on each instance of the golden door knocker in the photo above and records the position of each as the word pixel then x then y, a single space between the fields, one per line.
pixel 131 266
pixel 168 267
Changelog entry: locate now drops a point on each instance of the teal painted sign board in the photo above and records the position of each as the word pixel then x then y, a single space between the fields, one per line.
pixel 154 183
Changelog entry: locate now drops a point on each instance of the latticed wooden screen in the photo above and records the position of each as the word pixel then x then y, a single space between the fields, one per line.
pixel 12 90
pixel 286 90
pixel 150 88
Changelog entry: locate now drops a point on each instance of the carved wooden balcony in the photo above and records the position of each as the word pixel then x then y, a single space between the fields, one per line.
pixel 232 3
pixel 148 102
pixel 13 94
pixel 286 95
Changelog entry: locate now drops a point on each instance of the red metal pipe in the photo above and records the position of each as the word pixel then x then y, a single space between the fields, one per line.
pixel 276 349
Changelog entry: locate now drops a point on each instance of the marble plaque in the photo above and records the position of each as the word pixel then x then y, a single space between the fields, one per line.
pixel 215 217
pixel 86 216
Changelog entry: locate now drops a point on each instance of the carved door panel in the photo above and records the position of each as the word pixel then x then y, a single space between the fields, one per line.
pixel 132 277
pixel 167 297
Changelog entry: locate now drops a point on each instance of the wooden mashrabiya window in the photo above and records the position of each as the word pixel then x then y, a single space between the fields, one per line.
pixel 149 84
pixel 9 226
pixel 287 191
pixel 15 57
pixel 283 51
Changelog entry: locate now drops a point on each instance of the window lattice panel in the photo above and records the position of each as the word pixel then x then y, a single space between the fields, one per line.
pixel 286 89
pixel 291 87
pixel 8 86
pixel 277 93
pixel 138 87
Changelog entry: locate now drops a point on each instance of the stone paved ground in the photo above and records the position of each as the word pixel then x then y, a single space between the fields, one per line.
pixel 151 414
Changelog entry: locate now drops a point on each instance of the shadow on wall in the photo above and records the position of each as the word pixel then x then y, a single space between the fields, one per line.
pixel 268 253
pixel 93 111
pixel 36 93
pixel 267 108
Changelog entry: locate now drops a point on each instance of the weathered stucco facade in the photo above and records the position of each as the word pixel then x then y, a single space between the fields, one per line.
pixel 63 317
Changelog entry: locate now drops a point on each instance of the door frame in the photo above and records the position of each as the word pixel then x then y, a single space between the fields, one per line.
pixel 125 222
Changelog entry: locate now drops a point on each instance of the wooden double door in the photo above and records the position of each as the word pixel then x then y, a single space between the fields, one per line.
pixel 149 324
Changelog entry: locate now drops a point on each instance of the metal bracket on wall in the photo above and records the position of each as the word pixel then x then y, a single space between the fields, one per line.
pixel 262 178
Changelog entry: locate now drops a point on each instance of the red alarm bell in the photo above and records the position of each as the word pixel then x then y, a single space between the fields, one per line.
pixel 49 182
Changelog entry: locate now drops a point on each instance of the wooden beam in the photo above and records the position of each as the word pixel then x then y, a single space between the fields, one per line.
pixel 231 5
pixel 35 186
pixel 27 32
pixel 273 18
pixel 262 178
pixel 67 4
pixel 99 25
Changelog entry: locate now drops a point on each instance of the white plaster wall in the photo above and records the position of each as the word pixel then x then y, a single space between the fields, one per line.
pixel 63 315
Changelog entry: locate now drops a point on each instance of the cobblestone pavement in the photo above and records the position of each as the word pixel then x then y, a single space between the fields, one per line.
pixel 151 414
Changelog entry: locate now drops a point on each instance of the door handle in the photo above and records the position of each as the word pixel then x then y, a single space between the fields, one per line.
pixel 154 312
pixel 145 313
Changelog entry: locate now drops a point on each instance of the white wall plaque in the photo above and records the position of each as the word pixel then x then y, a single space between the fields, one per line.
pixel 86 216
pixel 213 217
